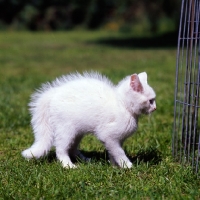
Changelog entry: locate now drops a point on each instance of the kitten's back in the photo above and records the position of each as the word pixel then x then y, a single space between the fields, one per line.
pixel 86 85
pixel 87 95
pixel 88 77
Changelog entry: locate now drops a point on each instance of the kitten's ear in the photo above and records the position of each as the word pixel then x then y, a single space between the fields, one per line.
pixel 136 84
pixel 143 77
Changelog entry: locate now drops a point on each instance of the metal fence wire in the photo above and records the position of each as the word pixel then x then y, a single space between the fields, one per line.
pixel 186 130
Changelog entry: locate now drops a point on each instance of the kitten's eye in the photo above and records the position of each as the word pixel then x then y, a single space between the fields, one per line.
pixel 151 101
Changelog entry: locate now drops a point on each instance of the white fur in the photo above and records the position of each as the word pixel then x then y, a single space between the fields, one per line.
pixel 73 105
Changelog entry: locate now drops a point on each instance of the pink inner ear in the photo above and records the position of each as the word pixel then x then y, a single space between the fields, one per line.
pixel 136 84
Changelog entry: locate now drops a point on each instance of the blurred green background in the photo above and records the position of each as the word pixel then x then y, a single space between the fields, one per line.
pixel 155 16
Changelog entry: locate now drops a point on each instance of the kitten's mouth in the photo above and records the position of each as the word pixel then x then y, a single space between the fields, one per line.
pixel 149 112
pixel 152 110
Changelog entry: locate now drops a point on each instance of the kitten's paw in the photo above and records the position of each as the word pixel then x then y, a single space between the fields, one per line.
pixel 125 165
pixel 69 165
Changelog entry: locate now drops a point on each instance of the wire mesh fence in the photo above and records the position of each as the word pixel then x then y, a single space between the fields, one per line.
pixel 186 130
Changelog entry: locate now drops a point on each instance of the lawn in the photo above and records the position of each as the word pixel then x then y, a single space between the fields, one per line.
pixel 29 59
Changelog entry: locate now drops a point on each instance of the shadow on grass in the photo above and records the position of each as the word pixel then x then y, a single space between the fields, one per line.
pixel 166 40
pixel 151 156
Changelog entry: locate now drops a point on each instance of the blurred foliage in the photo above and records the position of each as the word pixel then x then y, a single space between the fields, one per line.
pixel 123 15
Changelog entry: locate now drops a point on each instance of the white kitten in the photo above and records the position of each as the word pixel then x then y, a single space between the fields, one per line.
pixel 71 106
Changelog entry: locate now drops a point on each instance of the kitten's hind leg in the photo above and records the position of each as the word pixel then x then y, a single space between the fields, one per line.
pixel 64 158
pixel 63 144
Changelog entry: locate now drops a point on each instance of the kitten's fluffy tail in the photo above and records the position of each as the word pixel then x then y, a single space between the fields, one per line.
pixel 41 124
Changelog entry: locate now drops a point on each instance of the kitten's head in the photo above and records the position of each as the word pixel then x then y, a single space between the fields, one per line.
pixel 144 96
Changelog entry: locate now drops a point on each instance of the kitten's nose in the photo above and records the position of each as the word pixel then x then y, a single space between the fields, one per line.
pixel 153 109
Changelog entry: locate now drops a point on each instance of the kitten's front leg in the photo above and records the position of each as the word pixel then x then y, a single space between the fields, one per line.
pixel 117 154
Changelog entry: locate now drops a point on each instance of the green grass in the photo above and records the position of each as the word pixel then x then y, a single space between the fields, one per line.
pixel 29 59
